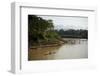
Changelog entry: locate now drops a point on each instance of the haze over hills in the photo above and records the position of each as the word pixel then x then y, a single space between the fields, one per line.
pixel 66 27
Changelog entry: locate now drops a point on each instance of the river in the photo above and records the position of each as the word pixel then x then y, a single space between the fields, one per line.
pixel 74 49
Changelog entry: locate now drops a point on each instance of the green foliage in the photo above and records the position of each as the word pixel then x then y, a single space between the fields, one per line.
pixel 40 30
pixel 72 33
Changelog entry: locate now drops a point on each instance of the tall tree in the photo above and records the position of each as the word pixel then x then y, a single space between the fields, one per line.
pixel 39 28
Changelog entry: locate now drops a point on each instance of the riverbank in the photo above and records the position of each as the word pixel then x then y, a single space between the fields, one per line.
pixel 47 45
pixel 54 44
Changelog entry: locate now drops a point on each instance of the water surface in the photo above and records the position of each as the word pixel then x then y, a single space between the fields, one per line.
pixel 74 49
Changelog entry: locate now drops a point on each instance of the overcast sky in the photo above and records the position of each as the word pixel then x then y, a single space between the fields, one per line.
pixel 68 22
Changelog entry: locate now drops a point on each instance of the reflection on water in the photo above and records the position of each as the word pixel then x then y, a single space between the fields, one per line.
pixel 74 49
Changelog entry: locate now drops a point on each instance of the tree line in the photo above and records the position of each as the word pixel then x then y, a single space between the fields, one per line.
pixel 72 33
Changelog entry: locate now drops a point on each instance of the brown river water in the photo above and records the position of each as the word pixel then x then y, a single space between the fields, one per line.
pixel 74 49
